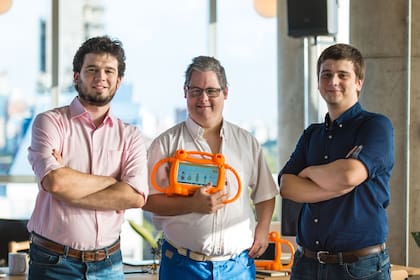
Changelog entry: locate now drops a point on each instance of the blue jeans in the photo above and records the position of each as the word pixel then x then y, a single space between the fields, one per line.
pixel 371 267
pixel 175 266
pixel 47 265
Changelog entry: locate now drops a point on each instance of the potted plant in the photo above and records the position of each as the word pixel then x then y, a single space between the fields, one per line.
pixel 154 241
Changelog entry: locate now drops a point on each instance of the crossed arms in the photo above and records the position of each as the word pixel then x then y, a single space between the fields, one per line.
pixel 91 191
pixel 81 189
pixel 323 182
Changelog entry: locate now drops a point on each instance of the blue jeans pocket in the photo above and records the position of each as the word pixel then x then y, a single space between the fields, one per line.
pixel 370 267
pixel 38 256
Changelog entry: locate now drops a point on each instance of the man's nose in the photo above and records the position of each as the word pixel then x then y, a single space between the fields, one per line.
pixel 100 74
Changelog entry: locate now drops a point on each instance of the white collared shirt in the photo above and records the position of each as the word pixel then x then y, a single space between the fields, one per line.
pixel 231 229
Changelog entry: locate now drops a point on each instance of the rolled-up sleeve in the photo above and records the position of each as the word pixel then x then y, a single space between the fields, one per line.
pixel 44 131
pixel 134 170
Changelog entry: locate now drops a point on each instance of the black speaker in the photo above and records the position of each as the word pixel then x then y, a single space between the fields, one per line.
pixel 290 212
pixel 308 18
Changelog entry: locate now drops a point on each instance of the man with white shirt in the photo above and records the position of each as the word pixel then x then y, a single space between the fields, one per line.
pixel 206 238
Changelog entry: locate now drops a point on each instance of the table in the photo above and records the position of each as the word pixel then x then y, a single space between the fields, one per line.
pixel 142 276
pixel 132 276
pixel 287 277
pixel 272 274
pixel 14 277
pixel 139 276
pixel 412 271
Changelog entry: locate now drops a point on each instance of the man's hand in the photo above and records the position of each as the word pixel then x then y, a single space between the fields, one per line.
pixel 264 211
pixel 204 202
pixel 57 156
pixel 260 243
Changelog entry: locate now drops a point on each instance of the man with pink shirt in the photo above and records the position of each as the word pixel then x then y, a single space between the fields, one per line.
pixel 90 167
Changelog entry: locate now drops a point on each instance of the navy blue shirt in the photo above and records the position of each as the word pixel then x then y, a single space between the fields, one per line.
pixel 357 219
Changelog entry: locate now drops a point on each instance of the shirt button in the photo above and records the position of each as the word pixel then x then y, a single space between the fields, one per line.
pixel 317 242
pixel 329 136
pixel 315 220
pixel 326 157
pixel 340 125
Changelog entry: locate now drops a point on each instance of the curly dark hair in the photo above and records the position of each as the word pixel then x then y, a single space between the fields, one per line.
pixel 98 45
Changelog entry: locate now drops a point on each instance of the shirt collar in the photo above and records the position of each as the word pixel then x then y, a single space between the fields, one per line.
pixel 77 110
pixel 197 131
pixel 347 115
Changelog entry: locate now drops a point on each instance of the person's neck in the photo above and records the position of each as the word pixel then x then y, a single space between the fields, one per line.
pixel 212 136
pixel 335 112
pixel 215 130
pixel 97 113
pixel 333 115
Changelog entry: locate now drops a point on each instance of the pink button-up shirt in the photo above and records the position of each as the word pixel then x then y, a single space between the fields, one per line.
pixel 112 149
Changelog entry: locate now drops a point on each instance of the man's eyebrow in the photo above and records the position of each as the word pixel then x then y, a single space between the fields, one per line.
pixel 96 66
pixel 338 71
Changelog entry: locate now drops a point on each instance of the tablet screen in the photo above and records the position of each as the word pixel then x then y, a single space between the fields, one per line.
pixel 197 174
pixel 270 253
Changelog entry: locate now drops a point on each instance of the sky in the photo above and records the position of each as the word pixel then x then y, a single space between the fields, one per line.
pixel 160 38
pixel 165 37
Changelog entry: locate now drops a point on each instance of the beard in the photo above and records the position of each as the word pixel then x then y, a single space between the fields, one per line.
pixel 96 100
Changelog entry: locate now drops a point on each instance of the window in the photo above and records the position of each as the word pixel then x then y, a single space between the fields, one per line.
pixel 160 38
pixel 22 68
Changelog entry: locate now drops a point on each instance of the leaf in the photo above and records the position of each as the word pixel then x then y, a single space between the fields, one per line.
pixel 143 232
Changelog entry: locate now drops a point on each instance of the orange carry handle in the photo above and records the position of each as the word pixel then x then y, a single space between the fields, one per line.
pixel 206 159
pixel 276 264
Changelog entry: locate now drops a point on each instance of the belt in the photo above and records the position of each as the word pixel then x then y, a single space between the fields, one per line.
pixel 199 257
pixel 84 256
pixel 326 257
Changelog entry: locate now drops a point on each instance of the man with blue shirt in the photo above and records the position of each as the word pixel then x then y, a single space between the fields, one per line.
pixel 340 171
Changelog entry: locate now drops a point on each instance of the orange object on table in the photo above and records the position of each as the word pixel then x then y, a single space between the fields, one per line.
pixel 274 262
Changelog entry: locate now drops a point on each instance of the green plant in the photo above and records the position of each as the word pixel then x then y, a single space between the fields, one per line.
pixel 146 232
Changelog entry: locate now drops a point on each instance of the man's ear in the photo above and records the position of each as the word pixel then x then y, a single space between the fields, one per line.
pixel 359 85
pixel 185 92
pixel 75 77
pixel 226 92
pixel 119 80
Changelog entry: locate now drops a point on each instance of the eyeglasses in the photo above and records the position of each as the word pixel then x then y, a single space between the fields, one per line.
pixel 210 92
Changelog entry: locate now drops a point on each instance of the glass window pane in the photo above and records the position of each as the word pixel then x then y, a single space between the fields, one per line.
pixel 160 38
pixel 21 69
pixel 247 46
